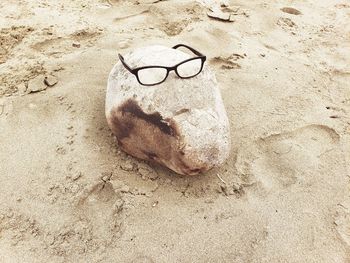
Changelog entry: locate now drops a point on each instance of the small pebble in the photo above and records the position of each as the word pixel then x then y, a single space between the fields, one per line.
pixel 236 186
pixel 118 205
pixel 36 85
pixel 144 172
pixel 127 166
pixel 153 176
pixel 50 80
pixel 125 189
pixel 9 214
pixel 77 45
pixel 77 176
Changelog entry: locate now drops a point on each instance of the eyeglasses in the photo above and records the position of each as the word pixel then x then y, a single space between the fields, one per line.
pixel 154 75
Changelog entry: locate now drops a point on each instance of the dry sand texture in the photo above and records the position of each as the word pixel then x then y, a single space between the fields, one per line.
pixel 67 193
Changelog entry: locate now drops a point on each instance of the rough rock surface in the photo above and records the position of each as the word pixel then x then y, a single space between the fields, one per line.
pixel 181 123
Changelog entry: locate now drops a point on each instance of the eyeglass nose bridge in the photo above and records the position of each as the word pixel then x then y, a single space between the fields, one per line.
pixel 175 73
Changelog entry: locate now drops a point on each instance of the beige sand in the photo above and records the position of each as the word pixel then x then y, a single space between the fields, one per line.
pixel 67 194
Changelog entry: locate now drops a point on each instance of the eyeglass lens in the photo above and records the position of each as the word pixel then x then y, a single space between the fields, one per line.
pixel 150 76
pixel 190 68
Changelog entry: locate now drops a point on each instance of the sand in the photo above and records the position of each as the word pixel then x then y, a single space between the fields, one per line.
pixel 67 192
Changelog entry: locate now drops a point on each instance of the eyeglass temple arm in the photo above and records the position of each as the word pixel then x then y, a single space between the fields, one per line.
pixel 192 49
pixel 124 63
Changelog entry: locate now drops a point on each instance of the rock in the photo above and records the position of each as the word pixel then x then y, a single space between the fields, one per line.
pixel 77 45
pixel 36 85
pixel 22 88
pixel 77 176
pixel 41 83
pixel 180 123
pixel 291 10
pixel 50 80
pixel 146 172
pixel 219 15
pixel 127 166
pixel 124 189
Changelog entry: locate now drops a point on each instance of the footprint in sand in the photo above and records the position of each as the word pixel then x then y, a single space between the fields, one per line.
pixel 342 222
pixel 293 157
pixel 190 13
pixel 96 221
pixel 55 46
pixel 228 62
pixel 286 23
pixel 103 207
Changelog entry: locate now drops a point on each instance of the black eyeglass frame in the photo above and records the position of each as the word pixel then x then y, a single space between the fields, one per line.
pixel 135 71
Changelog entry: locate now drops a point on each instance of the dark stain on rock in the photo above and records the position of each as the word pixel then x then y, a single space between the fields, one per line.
pixel 121 129
pixel 151 137
pixel 131 107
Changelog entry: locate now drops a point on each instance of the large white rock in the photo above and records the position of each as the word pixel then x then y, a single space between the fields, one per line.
pixel 181 123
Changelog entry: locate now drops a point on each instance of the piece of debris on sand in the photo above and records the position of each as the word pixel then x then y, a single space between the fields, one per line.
pixel 219 15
